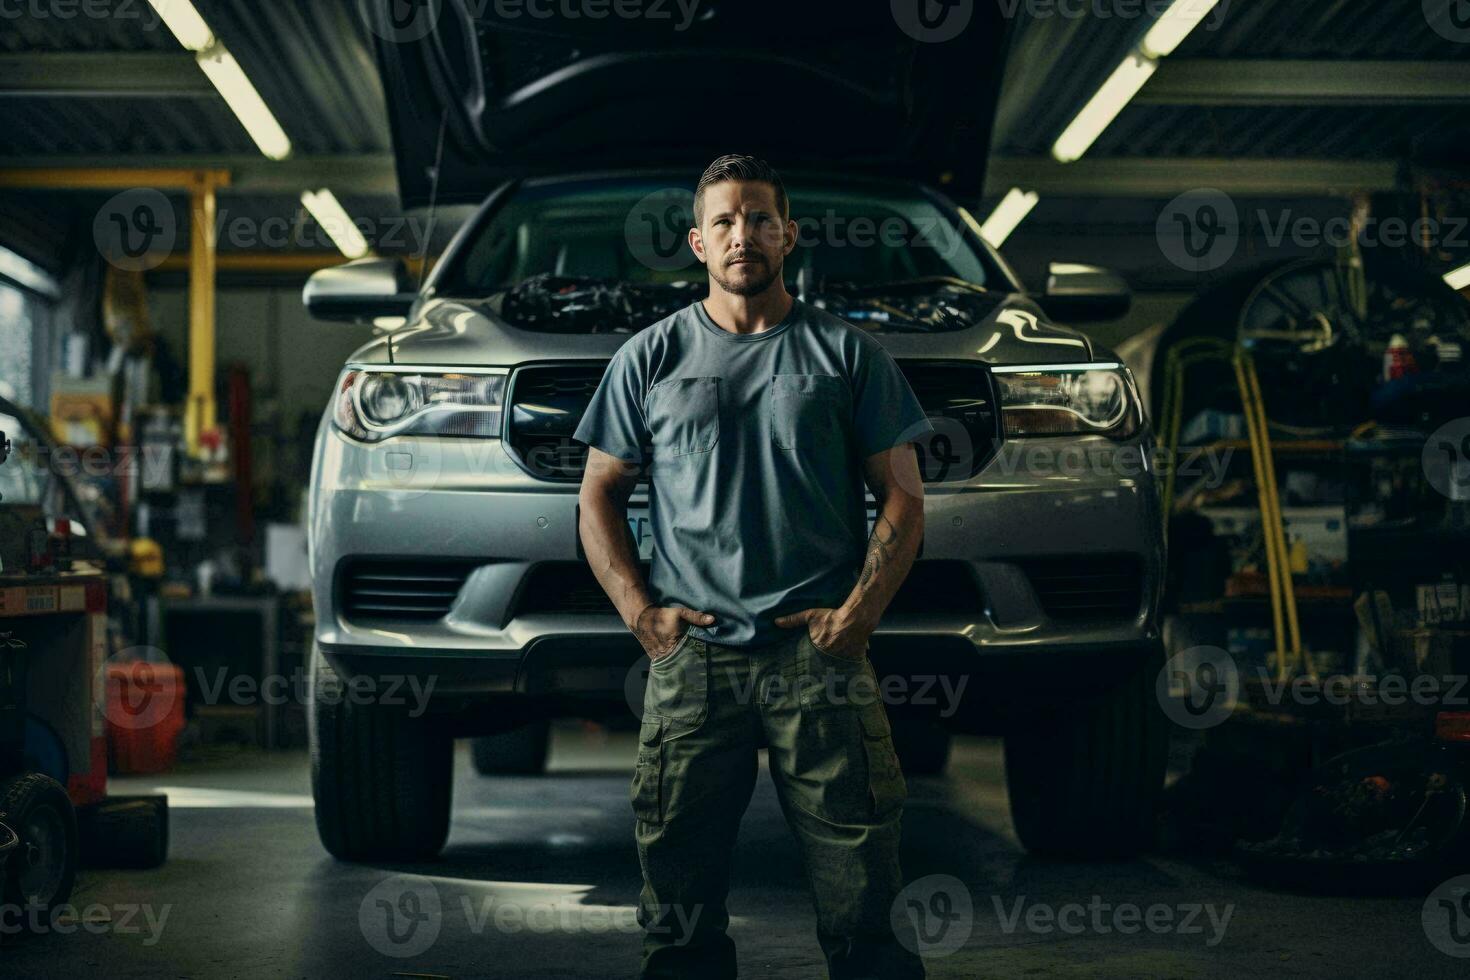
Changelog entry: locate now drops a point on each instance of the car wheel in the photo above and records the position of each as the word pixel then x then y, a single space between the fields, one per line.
pixel 922 745
pixel 522 751
pixel 381 779
pixel 1087 783
pixel 40 863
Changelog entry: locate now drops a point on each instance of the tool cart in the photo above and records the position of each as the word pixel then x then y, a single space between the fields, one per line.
pixel 55 812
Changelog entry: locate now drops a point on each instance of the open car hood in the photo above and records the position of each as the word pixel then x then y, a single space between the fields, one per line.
pixel 551 317
pixel 841 87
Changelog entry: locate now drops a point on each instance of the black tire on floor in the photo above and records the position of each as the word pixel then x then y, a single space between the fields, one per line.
pixel 382 780
pixel 520 751
pixel 41 869
pixel 922 745
pixel 1087 784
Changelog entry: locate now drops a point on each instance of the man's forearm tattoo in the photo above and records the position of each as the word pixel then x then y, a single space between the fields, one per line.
pixel 639 630
pixel 881 548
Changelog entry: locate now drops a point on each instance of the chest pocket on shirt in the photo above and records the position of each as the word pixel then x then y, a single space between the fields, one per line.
pixel 684 415
pixel 806 409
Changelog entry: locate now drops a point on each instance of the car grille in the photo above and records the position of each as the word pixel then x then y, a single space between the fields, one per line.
pixel 546 403
pixel 570 587
pixel 401 589
pixel 564 587
pixel 960 400
pixel 938 587
pixel 1087 589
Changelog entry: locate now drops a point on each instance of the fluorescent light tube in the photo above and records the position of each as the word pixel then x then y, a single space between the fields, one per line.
pixel 1009 213
pixel 333 218
pixel 21 270
pixel 185 22
pixel 1169 30
pixel 245 102
pixel 1120 88
pixel 1459 278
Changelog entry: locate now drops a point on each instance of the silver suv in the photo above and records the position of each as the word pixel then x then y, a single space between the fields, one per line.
pixel 443 497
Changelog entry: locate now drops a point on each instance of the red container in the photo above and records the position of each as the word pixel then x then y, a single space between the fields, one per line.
pixel 145 713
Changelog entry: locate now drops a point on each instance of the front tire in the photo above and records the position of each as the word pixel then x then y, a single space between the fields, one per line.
pixel 1087 784
pixel 519 752
pixel 381 779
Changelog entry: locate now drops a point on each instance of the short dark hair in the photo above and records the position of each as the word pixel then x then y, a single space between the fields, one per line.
pixel 738 166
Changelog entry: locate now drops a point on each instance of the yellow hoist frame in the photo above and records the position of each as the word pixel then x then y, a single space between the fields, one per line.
pixel 1286 628
pixel 201 185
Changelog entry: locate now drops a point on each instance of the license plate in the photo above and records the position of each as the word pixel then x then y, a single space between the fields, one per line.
pixel 638 523
pixel 642 529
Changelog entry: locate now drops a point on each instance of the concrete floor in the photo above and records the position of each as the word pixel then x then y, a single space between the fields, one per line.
pixel 540 876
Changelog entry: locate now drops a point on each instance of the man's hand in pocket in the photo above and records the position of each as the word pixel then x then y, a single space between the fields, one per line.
pixel 831 631
pixel 660 628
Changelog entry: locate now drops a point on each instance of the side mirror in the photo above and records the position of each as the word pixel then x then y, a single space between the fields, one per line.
pixel 1083 292
pixel 360 291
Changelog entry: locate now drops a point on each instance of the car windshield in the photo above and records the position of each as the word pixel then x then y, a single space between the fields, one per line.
pixel 635 232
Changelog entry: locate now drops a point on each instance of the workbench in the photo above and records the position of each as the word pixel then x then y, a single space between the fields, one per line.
pixel 53 645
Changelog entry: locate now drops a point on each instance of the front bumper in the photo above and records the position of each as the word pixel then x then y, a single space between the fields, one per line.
pixel 1057 502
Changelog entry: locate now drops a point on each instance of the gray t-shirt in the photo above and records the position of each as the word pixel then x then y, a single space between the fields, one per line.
pixel 757 441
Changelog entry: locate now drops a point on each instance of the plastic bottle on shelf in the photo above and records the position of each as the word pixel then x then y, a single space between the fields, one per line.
pixel 1398 359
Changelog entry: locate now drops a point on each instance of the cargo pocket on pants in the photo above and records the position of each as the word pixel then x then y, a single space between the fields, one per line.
pixel 646 793
pixel 886 787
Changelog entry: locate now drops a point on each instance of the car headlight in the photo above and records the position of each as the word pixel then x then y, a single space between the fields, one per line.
pixel 374 404
pixel 1056 400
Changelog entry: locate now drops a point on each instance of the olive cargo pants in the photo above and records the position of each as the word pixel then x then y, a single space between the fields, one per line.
pixel 706 707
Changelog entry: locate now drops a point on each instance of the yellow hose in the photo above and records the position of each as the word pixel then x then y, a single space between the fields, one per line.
pixel 1263 495
pixel 1278 528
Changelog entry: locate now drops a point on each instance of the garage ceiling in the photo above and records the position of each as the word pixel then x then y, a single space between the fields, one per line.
pixel 122 85
pixel 1277 98
pixel 1289 106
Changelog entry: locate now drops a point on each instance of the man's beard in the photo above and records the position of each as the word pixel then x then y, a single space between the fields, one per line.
pixel 751 287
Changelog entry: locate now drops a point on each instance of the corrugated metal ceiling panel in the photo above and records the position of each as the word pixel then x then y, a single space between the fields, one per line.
pixel 1085 50
pixel 310 61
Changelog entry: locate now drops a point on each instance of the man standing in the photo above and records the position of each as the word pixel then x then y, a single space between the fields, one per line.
pixel 765 417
